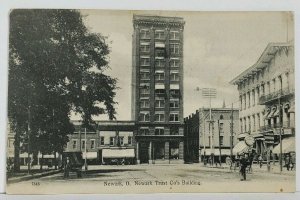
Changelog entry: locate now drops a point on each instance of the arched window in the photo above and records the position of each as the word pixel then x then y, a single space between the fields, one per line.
pixel 221 117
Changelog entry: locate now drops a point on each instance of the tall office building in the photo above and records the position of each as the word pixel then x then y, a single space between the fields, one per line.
pixel 157 88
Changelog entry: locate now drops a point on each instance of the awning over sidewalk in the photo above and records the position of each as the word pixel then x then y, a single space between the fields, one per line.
pixel 242 135
pixel 118 153
pixel 241 147
pixel 89 155
pixel 288 145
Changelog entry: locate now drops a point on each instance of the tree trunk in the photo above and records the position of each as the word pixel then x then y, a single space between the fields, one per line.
pixel 41 162
pixel 55 160
pixel 17 151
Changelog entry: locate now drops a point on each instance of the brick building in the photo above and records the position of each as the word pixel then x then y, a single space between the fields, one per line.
pixel 157 88
pixel 198 138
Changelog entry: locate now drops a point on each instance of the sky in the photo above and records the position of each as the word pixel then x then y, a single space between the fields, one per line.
pixel 218 46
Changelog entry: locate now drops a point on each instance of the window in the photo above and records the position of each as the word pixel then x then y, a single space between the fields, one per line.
pixel 93 144
pixel 145 48
pixel 159 62
pixel 258 120
pixel 174 48
pixel 112 141
pixel 144 90
pixel 83 144
pixel 221 128
pixel 74 144
pixel 249 100
pixel 145 76
pixel 221 117
pixel 174 103
pixel 145 61
pixel 145 34
pixel 144 103
pixel 221 140
pixel 144 117
pixel 174 35
pixel 241 123
pixel 159 91
pixel 160 52
pixel 159 131
pixel 174 117
pixel 253 97
pixel 121 140
pixel 174 63
pixel 174 92
pixel 159 117
pixel 174 76
pixel 144 131
pixel 254 125
pixel 101 140
pixel 159 34
pixel 159 103
pixel 159 76
pixel 129 140
pixel 174 131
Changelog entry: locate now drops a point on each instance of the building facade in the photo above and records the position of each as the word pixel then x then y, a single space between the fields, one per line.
pixel 267 97
pixel 157 88
pixel 107 141
pixel 205 138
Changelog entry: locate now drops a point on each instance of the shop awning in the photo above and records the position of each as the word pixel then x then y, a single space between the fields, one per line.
pixel 288 145
pixel 257 135
pixel 216 152
pixel 89 155
pixel 118 153
pixel 159 86
pixel 241 147
pixel 159 45
pixel 174 87
pixel 267 112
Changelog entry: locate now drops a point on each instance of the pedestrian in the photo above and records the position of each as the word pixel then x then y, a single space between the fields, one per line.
pixel 293 161
pixel 66 167
pixel 244 163
pixel 287 162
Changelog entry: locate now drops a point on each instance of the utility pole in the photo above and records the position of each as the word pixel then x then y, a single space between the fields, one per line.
pixel 29 138
pixel 280 127
pixel 203 135
pixel 85 143
pixel 220 156
pixel 231 132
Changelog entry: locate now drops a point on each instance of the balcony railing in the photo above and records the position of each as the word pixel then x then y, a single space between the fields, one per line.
pixel 275 95
pixel 286 124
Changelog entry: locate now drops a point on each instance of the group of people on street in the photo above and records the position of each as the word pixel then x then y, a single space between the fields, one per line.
pixel 290 161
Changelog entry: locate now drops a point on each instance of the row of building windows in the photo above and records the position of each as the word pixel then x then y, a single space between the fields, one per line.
pixel 160 76
pixel 158 131
pixel 159 34
pixel 158 117
pixel 159 103
pixel 112 142
pixel 145 62
pixel 146 91
pixel 160 51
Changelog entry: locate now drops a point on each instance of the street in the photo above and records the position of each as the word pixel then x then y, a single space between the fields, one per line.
pixel 160 178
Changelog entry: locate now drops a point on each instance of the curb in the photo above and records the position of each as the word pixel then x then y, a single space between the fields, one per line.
pixel 29 177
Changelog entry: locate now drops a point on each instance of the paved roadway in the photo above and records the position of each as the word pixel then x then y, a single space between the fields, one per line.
pixel 159 178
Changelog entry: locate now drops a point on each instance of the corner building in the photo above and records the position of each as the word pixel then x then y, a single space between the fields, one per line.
pixel 157 89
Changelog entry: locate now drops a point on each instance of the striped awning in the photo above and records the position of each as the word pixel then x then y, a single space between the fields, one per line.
pixel 242 135
pixel 216 152
pixel 288 145
pixel 240 147
pixel 90 155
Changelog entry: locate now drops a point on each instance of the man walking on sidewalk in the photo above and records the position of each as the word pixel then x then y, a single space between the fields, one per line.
pixel 244 163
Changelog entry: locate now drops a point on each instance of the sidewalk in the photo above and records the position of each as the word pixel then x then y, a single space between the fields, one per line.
pixel 31 176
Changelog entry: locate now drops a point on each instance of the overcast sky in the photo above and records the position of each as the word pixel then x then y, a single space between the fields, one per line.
pixel 217 47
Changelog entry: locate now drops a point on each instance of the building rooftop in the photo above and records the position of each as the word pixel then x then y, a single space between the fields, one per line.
pixel 159 20
pixel 262 62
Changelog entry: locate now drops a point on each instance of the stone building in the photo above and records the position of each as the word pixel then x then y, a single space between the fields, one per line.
pixel 267 98
pixel 157 88
pixel 204 139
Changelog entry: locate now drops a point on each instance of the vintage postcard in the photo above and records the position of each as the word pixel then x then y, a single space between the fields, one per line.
pixel 104 101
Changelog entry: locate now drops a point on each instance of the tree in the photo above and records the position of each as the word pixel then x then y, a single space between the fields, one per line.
pixel 56 65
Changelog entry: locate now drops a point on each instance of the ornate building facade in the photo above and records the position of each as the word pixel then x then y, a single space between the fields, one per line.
pixel 157 88
pixel 267 98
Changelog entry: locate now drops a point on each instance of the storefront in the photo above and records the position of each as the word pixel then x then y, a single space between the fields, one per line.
pixel 117 156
